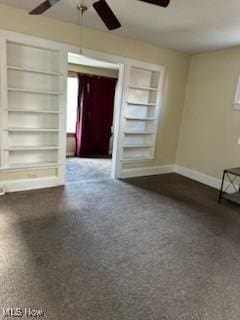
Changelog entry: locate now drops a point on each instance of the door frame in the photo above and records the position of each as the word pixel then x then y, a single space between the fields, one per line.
pixel 120 62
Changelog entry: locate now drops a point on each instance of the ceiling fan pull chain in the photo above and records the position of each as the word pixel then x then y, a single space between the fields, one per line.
pixel 79 23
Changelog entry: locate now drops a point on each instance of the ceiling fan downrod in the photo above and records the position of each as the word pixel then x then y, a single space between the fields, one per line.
pixel 81 10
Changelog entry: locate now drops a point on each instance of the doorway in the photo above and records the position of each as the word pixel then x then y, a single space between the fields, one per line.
pixel 91 97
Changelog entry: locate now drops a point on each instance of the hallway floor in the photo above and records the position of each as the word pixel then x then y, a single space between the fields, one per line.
pixel 86 169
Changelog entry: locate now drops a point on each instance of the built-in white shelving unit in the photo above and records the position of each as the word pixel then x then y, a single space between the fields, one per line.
pixel 33 79
pixel 141 114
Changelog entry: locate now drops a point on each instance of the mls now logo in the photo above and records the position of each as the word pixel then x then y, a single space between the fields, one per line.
pixel 33 313
pixel 12 313
pixel 20 313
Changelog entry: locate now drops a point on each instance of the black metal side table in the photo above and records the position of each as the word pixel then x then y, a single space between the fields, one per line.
pixel 231 176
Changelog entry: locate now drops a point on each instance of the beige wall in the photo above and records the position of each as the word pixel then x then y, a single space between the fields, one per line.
pixel 71 145
pixel 176 64
pixel 211 127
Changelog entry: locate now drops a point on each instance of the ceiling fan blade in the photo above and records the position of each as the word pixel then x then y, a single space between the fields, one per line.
pixel 107 15
pixel 44 6
pixel 161 3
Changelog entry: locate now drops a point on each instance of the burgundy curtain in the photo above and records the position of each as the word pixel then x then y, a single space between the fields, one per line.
pixel 95 115
pixel 82 99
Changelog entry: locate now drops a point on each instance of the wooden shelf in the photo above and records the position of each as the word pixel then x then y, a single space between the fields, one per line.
pixel 54 93
pixel 141 104
pixel 31 148
pixel 137 146
pixel 31 130
pixel 143 88
pixel 138 132
pixel 32 111
pixel 140 118
pixel 136 159
pixel 25 69
pixel 32 165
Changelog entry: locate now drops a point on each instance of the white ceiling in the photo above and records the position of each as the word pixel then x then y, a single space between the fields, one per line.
pixel 186 25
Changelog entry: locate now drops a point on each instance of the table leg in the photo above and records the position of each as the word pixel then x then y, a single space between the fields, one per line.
pixel 221 191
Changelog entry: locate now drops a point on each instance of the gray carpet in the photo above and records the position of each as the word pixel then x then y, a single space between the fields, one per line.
pixel 86 169
pixel 150 248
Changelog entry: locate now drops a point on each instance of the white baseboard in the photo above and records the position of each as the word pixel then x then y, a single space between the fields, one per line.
pixel 30 184
pixel 70 154
pixel 147 171
pixel 189 173
pixel 46 182
pixel 203 178
pixel 198 176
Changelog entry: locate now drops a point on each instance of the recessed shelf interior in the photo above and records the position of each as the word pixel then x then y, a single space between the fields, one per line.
pixel 35 156
pixel 144 78
pixel 33 120
pixel 139 125
pixel 26 80
pixel 30 57
pixel 140 112
pixel 27 100
pixel 36 139
pixel 33 165
pixel 142 96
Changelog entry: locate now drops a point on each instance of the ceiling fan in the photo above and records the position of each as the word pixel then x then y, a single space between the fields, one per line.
pixel 102 8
